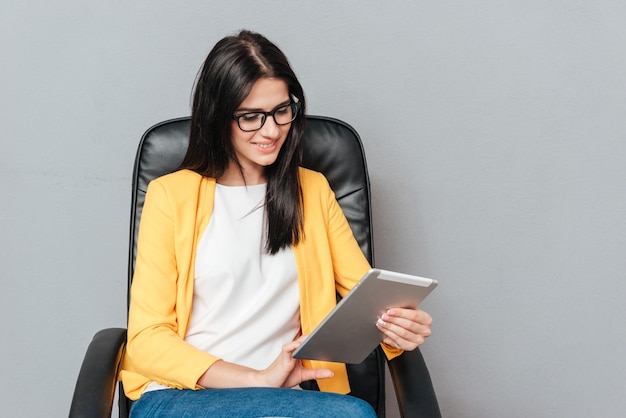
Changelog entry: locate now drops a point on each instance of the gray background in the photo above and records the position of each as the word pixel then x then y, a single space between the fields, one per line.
pixel 495 136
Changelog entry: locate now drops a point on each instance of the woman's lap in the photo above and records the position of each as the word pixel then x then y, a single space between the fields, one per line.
pixel 248 402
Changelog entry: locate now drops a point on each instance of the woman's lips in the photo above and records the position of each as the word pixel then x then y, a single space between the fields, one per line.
pixel 265 146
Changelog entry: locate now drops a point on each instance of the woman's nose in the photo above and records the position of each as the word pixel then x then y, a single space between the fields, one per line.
pixel 270 129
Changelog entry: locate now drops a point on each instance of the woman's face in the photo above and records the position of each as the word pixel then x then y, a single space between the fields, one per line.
pixel 260 148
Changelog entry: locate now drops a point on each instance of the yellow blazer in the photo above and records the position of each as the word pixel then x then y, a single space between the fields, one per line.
pixel 177 210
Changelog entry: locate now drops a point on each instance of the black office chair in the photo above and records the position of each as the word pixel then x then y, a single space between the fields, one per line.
pixel 329 146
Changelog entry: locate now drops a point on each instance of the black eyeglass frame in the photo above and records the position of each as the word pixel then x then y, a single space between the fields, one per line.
pixel 295 107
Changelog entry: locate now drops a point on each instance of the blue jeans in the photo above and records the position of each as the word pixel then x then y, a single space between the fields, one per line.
pixel 248 402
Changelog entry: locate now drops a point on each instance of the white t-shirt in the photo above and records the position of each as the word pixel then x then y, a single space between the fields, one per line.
pixel 246 303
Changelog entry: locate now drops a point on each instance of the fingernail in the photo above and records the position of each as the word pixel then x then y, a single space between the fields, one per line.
pixel 381 322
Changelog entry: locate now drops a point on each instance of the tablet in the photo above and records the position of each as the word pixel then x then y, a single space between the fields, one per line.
pixel 349 333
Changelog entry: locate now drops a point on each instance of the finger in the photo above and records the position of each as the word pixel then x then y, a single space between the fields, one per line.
pixel 403 328
pixel 411 319
pixel 399 337
pixel 291 346
pixel 388 321
pixel 413 315
pixel 314 374
pixel 396 341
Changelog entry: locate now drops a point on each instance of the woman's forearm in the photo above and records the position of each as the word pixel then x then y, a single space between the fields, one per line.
pixel 223 374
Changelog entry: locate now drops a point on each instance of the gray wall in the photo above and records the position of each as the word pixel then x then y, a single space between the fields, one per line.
pixel 495 136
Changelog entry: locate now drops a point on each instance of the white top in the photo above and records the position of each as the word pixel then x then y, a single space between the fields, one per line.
pixel 246 303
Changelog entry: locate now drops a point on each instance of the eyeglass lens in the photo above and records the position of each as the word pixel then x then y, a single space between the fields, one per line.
pixel 253 121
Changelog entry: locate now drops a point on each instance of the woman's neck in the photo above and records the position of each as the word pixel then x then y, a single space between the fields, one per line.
pixel 233 176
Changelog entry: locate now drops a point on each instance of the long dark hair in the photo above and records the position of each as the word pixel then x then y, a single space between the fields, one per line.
pixel 226 78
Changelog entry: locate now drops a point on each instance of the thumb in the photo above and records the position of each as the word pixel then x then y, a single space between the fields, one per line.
pixel 314 374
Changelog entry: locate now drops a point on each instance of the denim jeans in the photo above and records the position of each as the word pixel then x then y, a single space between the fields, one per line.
pixel 248 402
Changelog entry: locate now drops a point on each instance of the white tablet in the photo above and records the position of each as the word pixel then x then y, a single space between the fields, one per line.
pixel 349 333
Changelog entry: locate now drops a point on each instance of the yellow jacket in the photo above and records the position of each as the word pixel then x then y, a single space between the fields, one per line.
pixel 177 210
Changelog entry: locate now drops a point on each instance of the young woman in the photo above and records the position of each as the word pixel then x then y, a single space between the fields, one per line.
pixel 240 253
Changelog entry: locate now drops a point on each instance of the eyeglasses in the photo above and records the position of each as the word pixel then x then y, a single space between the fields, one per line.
pixel 253 121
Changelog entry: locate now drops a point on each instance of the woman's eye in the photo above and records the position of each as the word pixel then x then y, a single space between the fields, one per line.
pixel 251 117
pixel 283 110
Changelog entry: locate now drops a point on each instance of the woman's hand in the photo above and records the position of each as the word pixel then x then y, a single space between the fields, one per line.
pixel 405 328
pixel 287 371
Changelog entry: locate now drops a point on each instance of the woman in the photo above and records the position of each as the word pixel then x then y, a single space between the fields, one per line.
pixel 240 253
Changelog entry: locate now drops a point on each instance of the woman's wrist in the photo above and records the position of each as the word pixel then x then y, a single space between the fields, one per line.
pixel 223 375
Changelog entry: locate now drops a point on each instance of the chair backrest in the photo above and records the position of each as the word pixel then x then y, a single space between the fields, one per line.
pixel 331 147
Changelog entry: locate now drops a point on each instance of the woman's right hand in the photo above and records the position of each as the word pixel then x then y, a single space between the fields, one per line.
pixel 285 371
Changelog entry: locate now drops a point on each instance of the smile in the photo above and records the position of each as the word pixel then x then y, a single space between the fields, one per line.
pixel 266 146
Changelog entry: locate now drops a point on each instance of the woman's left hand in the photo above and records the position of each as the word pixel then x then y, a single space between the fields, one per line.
pixel 405 328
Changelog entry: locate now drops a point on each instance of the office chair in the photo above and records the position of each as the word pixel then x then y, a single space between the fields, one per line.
pixel 329 146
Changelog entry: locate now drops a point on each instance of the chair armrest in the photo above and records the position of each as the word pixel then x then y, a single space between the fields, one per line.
pixel 95 387
pixel 414 389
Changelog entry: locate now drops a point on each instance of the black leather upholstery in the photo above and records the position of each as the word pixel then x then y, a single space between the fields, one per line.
pixel 413 386
pixel 333 148
pixel 329 146
pixel 95 388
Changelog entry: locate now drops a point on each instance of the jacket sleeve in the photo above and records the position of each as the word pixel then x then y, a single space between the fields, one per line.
pixel 156 348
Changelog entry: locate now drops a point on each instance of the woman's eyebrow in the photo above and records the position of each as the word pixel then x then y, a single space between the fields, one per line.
pixel 252 109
